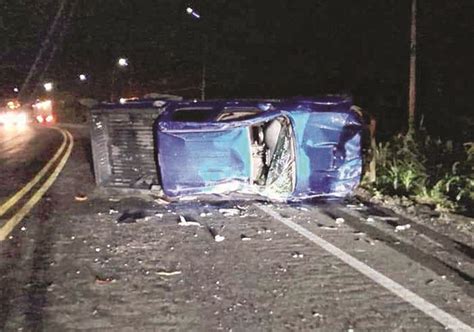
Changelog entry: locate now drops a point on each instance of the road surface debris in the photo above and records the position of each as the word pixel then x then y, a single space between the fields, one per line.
pixel 244 237
pixel 400 228
pixel 80 197
pixel 168 273
pixel 229 212
pixel 340 221
pixel 183 222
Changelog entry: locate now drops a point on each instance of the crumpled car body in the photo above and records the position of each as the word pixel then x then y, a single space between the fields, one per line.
pixel 284 149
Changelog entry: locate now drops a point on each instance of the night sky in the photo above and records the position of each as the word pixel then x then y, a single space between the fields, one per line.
pixel 256 49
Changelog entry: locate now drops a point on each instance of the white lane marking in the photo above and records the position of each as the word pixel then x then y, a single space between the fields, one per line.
pixel 428 308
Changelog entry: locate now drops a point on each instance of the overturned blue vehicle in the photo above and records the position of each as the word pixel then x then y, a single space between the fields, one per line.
pixel 279 149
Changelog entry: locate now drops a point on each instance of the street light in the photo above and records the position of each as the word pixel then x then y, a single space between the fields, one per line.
pixel 48 86
pixel 16 90
pixel 82 77
pixel 192 12
pixel 122 62
pixel 196 15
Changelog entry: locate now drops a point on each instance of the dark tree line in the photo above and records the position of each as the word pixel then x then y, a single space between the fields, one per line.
pixel 264 48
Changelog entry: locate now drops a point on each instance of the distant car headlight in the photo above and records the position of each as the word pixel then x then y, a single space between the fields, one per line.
pixel 40 119
pixel 8 118
pixel 21 119
pixel 49 118
pixel 14 118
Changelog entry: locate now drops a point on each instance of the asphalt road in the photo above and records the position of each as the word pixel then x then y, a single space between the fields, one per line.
pixel 23 152
pixel 240 266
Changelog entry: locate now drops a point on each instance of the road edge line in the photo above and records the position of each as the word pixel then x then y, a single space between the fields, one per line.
pixel 18 217
pixel 415 300
pixel 10 202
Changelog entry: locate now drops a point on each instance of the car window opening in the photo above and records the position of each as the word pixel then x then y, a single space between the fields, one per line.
pixel 273 157
pixel 237 113
pixel 191 115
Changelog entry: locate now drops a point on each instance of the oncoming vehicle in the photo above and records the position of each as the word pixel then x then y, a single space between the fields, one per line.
pixel 13 114
pixel 43 112
pixel 279 149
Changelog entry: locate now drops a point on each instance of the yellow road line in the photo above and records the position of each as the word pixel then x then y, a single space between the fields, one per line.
pixel 23 191
pixel 15 220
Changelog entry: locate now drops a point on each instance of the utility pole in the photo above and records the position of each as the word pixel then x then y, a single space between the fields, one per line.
pixel 412 79
pixel 203 69
pixel 190 11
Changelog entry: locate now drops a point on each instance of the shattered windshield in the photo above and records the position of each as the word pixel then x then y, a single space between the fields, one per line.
pixel 281 173
pixel 273 156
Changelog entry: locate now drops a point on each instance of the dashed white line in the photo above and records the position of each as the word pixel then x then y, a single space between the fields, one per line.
pixel 428 308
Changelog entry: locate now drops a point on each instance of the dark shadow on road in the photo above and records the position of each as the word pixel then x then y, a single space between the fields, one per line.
pixel 38 281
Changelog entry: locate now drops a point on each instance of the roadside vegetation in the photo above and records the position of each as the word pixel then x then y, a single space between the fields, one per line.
pixel 426 171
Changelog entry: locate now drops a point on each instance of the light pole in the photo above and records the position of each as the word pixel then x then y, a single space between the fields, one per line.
pixel 120 64
pixel 190 11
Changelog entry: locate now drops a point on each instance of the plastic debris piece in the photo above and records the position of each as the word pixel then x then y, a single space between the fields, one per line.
pixel 188 198
pixel 215 235
pixel 340 221
pixel 302 208
pixel 372 243
pixel 296 254
pixel 80 197
pixel 385 218
pixel 370 220
pixel 244 237
pixel 326 227
pixel 229 212
pixel 168 273
pixel 400 228
pixel 316 314
pixel 103 280
pixel 113 211
pixel 159 215
pixel 184 222
pixel 219 238
pixel 23 228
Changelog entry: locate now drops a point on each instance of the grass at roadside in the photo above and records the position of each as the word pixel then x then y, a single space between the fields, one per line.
pixel 426 170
